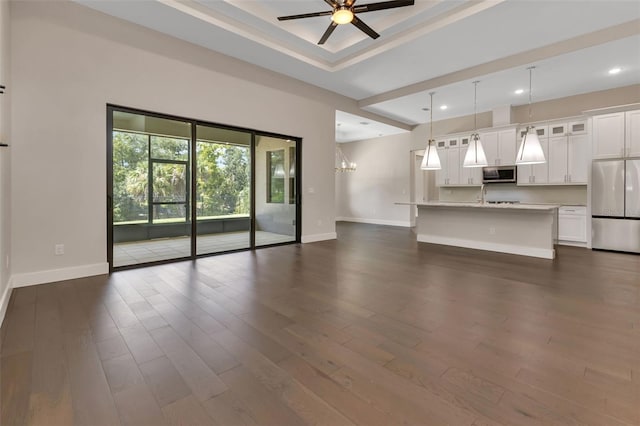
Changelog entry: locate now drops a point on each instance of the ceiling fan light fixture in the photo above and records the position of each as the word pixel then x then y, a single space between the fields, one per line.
pixel 342 16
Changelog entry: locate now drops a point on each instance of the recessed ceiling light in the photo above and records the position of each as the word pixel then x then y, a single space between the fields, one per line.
pixel 519 91
pixel 615 70
pixel 443 107
pixel 364 123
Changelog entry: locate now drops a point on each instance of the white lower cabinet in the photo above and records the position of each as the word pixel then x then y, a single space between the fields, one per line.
pixel 572 225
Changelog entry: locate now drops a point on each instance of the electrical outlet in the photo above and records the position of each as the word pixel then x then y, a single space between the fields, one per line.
pixel 492 230
pixel 58 249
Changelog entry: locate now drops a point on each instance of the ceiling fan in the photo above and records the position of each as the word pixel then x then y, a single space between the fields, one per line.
pixel 345 13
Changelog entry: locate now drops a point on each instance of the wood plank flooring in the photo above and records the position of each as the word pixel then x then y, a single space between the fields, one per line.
pixel 370 329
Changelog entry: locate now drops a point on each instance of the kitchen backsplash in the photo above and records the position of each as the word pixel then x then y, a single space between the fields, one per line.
pixel 564 195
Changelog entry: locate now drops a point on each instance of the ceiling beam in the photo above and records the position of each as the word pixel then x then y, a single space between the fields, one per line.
pixel 595 38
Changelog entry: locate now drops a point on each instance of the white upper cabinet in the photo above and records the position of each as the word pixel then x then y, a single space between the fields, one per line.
pixel 558 159
pixel 451 150
pixel 490 145
pixel 507 146
pixel 608 134
pixel 578 158
pixel 566 149
pixel 500 147
pixel 449 154
pixel 568 159
pixel 453 165
pixel 469 175
pixel 632 141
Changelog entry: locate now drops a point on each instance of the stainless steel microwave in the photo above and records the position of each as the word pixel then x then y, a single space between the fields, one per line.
pixel 502 174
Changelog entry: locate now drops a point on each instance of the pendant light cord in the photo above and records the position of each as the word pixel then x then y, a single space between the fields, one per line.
pixel 431 117
pixel 475 105
pixel 475 135
pixel 430 127
pixel 530 77
pixel 529 128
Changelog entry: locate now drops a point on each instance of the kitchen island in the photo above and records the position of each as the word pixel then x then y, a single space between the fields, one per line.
pixel 524 229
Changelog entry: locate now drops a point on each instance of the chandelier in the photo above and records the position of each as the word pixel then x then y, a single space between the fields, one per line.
pixel 342 162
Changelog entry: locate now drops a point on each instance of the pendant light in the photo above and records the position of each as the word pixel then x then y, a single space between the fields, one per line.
pixel 530 151
pixel 475 156
pixel 431 161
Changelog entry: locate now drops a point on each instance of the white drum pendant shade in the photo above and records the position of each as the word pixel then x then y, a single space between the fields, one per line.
pixel 475 156
pixel 431 160
pixel 530 151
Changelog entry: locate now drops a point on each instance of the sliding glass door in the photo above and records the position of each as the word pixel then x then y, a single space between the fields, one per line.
pixel 150 194
pixel 180 188
pixel 223 189
pixel 276 190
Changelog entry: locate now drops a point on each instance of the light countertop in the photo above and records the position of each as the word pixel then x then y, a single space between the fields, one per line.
pixel 518 206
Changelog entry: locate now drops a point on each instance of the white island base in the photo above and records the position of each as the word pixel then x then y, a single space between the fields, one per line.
pixel 524 229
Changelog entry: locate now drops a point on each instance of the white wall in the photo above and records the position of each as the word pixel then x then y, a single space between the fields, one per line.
pixel 5 163
pixel 69 62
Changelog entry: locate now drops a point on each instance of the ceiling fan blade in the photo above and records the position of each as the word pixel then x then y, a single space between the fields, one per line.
pixel 332 3
pixel 325 36
pixel 372 7
pixel 365 28
pixel 304 15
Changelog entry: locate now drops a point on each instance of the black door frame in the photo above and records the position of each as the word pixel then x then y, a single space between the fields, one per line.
pixel 111 108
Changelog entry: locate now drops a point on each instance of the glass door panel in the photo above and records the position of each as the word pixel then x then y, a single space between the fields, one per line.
pixel 150 189
pixel 275 191
pixel 223 189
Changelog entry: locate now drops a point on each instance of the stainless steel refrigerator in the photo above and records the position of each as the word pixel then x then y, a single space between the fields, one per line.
pixel 615 205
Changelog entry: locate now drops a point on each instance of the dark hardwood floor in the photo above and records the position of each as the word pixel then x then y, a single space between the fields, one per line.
pixel 371 329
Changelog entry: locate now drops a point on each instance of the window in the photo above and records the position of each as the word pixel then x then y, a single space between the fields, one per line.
pixel 275 176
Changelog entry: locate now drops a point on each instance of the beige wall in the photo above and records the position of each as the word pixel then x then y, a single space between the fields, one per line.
pixel 5 153
pixel 381 179
pixel 69 62
pixel 575 105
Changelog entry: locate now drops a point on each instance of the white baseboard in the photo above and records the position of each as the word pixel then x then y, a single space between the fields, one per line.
pixel 4 300
pixel 572 243
pixel 53 275
pixel 319 237
pixel 483 245
pixel 404 223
